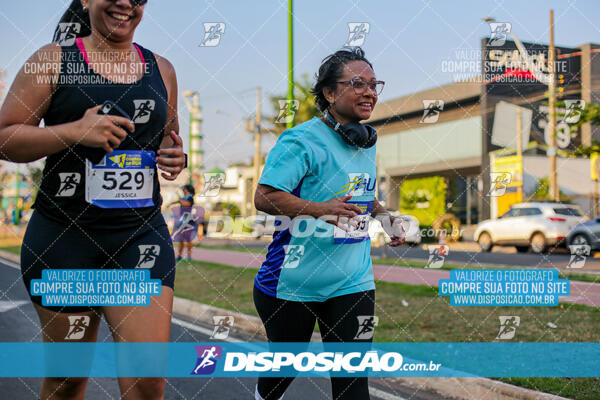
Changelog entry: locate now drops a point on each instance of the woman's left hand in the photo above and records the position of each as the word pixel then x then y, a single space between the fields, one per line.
pixel 395 231
pixel 171 159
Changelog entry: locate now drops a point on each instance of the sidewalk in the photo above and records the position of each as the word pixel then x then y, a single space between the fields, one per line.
pixel 581 292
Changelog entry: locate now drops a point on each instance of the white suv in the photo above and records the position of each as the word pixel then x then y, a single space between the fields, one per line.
pixel 532 226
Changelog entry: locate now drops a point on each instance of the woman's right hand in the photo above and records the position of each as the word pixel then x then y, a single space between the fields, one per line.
pixel 104 131
pixel 331 210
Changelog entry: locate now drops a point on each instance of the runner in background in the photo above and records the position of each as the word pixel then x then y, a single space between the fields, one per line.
pixel 186 227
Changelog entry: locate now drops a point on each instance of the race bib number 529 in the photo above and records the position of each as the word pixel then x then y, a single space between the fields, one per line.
pixel 123 179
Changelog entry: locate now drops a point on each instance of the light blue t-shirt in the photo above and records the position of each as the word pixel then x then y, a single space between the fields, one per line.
pixel 306 261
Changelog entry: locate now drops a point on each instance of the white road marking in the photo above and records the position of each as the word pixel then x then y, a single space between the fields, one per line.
pixel 200 329
pixel 7 305
pixel 10 263
pixel 380 394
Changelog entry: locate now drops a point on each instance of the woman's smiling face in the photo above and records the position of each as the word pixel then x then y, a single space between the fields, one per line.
pixel 346 105
pixel 114 19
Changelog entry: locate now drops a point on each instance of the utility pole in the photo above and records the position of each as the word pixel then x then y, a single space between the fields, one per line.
pixel 552 114
pixel 257 138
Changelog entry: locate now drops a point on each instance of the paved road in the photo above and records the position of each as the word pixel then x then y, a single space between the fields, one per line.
pixel 19 323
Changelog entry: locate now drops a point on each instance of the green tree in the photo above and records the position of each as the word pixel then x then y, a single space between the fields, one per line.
pixel 34 179
pixel 590 113
pixel 307 108
pixel 542 192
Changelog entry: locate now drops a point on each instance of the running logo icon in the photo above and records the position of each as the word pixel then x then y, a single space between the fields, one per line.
pixel 498 183
pixel 431 111
pixel 207 359
pixel 67 32
pixel 287 110
pixel 119 160
pixel 68 183
pixel 579 253
pixel 212 34
pixel 499 32
pixel 143 108
pixel 148 255
pixel 77 326
pixel 358 33
pixel 437 255
pixel 293 254
pixel 573 111
pixel 366 326
pixel 223 324
pixel 508 326
pixel 212 183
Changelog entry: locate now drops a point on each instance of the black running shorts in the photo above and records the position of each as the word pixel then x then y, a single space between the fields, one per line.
pixel 51 245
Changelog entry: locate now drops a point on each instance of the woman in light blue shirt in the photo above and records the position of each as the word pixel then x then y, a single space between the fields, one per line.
pixel 321 176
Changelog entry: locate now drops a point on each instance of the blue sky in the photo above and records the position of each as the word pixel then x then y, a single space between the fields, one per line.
pixel 409 43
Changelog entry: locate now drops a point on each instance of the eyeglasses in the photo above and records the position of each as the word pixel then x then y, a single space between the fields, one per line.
pixel 360 86
pixel 134 3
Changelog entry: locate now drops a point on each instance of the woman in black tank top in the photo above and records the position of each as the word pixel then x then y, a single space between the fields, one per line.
pixel 103 213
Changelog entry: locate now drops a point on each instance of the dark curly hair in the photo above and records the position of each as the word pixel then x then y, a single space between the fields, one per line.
pixel 331 71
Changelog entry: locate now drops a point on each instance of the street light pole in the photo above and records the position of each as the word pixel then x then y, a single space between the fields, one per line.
pixel 553 180
pixel 192 102
pixel 290 95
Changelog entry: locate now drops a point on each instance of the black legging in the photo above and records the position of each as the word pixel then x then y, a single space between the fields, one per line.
pixel 293 321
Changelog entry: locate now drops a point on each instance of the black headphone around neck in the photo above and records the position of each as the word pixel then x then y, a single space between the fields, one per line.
pixel 353 133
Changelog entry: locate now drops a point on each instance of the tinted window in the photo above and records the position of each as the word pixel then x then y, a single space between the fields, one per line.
pixel 567 211
pixel 530 211
pixel 513 212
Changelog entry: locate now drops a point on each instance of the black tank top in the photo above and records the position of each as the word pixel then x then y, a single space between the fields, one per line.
pixel 78 88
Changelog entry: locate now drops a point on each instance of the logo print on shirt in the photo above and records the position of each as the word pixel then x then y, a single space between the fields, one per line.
pixel 77 325
pixel 223 324
pixel 293 254
pixel 358 184
pixel 142 110
pixel 366 326
pixel 68 183
pixel 207 359
pixel 148 255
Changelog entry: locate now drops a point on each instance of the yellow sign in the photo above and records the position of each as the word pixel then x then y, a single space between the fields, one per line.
pixel 594 166
pixel 506 183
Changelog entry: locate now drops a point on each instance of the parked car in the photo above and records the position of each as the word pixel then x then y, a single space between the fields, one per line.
pixel 586 233
pixel 530 226
pixel 410 223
